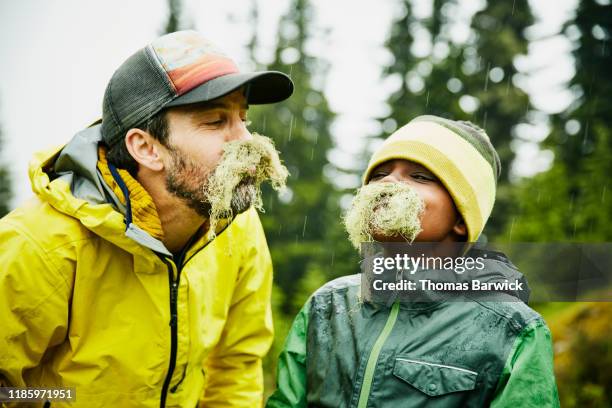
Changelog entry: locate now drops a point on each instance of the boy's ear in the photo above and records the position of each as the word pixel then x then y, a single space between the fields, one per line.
pixel 460 228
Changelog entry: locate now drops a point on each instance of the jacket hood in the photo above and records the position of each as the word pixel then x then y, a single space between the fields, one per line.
pixel 67 178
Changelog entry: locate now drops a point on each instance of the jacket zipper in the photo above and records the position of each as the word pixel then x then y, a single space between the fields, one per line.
pixel 373 357
pixel 174 283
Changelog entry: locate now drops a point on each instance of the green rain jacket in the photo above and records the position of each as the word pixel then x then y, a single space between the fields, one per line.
pixel 343 352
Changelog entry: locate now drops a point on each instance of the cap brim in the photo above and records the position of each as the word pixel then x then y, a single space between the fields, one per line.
pixel 263 87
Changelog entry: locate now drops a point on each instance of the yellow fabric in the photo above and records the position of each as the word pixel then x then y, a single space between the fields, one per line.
pixel 144 212
pixel 466 175
pixel 84 306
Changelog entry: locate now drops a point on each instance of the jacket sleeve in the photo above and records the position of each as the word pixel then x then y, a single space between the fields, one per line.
pixel 33 305
pixel 528 379
pixel 234 376
pixel 291 370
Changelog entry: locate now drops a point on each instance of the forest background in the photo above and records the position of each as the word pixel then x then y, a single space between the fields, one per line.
pixel 444 58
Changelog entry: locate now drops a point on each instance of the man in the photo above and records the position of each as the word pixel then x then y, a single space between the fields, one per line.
pixel 139 273
pixel 433 181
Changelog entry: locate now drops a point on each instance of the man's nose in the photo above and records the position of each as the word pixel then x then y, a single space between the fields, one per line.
pixel 239 131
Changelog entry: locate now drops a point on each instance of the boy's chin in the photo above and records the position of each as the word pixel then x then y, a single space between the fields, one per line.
pixel 380 236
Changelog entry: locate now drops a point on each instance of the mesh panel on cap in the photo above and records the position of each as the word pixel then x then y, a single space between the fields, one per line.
pixel 137 91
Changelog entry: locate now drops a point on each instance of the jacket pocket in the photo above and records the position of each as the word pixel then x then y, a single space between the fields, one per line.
pixel 434 379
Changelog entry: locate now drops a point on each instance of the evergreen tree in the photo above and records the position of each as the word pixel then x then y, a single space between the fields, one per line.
pixel 175 21
pixel 462 81
pixel 575 193
pixel 298 222
pixel 303 224
pixel 5 187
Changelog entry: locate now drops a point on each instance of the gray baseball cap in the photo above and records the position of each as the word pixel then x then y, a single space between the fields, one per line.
pixel 177 69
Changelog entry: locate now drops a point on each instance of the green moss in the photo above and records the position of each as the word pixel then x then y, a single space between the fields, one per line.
pixel 388 209
pixel 244 162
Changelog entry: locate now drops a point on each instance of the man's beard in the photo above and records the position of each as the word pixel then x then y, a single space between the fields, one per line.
pixel 234 184
pixel 384 209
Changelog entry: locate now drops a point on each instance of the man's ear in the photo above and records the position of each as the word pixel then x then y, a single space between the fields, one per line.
pixel 460 228
pixel 144 148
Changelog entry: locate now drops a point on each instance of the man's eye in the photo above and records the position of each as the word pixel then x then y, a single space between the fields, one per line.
pixel 215 122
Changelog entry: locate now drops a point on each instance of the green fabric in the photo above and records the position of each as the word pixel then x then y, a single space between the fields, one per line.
pixel 291 370
pixel 373 358
pixel 446 354
pixel 527 379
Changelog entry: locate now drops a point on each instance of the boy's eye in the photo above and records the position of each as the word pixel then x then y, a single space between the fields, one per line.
pixel 423 177
pixel 377 176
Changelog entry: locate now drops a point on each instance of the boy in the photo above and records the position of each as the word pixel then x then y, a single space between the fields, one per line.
pixel 344 352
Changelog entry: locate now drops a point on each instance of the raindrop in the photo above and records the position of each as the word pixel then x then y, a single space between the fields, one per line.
pixel 424 68
pixel 304 227
pixel 312 154
pixel 290 56
pixel 599 33
pixel 454 85
pixel 572 127
pixel 285 195
pixel 291 127
pixel 389 125
pixel 496 74
pixel 513 5
pixel 414 83
pixel 427 100
pixel 511 229
pixel 603 194
pixel 486 84
pixel 313 98
pixel 468 103
pixel 309 113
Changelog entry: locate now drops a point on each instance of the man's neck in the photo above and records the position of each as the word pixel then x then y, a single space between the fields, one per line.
pixel 179 222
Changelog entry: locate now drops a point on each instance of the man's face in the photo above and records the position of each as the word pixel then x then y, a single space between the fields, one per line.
pixel 214 164
pixel 439 216
pixel 197 136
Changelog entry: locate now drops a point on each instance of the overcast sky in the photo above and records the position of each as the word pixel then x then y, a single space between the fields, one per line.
pixel 57 57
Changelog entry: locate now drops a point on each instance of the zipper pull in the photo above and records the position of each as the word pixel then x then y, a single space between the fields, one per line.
pixel 173 298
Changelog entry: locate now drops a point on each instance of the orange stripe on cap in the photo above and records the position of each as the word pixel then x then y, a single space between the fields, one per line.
pixel 204 69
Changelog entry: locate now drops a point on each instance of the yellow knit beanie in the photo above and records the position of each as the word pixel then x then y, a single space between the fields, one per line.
pixel 459 153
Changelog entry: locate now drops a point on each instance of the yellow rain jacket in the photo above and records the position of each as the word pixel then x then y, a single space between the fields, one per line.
pixel 90 298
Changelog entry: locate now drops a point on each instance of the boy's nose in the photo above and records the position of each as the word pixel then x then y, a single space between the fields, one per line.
pixel 390 178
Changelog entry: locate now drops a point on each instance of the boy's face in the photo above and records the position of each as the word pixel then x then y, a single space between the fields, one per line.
pixel 440 220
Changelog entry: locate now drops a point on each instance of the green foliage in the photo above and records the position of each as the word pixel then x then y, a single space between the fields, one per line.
pixel 5 187
pixel 299 222
pixel 479 71
pixel 303 225
pixel 583 353
pixel 572 199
